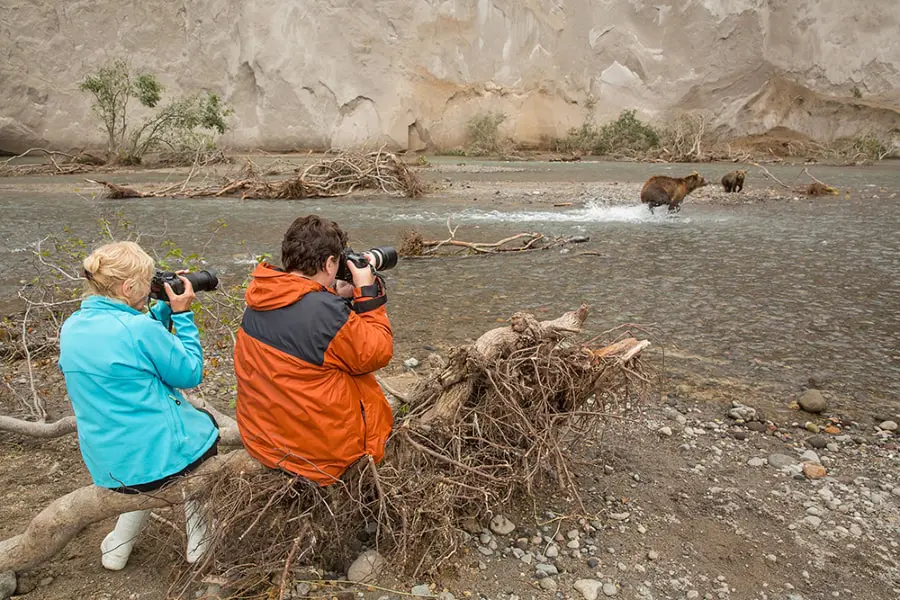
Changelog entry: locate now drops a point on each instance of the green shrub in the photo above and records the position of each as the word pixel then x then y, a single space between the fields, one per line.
pixel 626 136
pixel 186 125
pixel 484 134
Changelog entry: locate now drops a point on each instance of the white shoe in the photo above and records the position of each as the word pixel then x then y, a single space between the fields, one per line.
pixel 116 546
pixel 197 540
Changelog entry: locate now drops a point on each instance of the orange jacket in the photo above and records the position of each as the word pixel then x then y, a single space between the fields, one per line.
pixel 308 401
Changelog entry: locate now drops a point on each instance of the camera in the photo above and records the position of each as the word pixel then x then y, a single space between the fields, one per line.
pixel 380 258
pixel 201 281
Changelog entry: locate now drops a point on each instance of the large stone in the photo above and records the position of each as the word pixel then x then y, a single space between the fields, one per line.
pixel 812 401
pixel 16 138
pixel 888 426
pixel 366 568
pixel 589 588
pixel 409 77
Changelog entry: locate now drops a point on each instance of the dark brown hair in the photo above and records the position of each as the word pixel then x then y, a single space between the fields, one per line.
pixel 308 243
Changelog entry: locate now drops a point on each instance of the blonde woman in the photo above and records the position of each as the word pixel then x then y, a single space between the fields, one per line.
pixel 123 369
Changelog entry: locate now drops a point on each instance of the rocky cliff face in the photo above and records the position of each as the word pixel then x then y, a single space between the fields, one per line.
pixel 407 72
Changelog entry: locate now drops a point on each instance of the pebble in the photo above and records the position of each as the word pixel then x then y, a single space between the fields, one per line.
pixel 589 588
pixel 366 567
pixel 592 563
pixel 622 516
pixel 756 426
pixel 832 447
pixel 811 427
pixel 422 590
pixel 692 594
pixel 740 435
pixel 812 521
pixel 810 456
pixel 501 525
pixel 814 471
pixel 609 589
pixel 812 401
pixel 756 462
pixel 573 544
pixel 552 551
pixel 667 431
pixel 548 584
pixel 653 555
pixel 780 461
pixel 545 570
pixel 817 441
pixel 411 363
pixel 888 426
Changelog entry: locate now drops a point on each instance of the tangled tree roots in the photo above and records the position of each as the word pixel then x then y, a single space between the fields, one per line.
pixel 497 419
pixel 492 423
pixel 327 178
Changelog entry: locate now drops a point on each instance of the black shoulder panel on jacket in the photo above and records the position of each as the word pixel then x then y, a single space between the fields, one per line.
pixel 303 329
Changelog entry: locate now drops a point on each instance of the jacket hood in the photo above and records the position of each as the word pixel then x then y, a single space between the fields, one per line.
pixel 272 288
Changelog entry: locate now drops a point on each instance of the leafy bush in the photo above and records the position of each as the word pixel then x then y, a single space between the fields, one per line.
pixel 185 126
pixel 627 136
pixel 484 134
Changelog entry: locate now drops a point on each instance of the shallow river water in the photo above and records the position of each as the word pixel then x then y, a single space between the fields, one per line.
pixel 776 291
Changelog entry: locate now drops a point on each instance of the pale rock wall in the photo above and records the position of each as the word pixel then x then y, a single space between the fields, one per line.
pixel 338 73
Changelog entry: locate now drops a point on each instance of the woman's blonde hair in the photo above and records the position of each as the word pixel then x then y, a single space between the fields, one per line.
pixel 109 266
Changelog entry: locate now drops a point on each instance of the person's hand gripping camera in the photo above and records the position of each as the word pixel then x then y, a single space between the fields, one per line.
pixel 361 269
pixel 181 302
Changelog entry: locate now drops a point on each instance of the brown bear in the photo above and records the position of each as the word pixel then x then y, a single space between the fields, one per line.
pixel 734 181
pixel 661 190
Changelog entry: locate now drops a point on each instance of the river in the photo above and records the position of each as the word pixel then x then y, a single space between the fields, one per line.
pixel 774 291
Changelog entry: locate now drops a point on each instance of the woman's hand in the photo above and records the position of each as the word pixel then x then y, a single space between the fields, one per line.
pixel 181 302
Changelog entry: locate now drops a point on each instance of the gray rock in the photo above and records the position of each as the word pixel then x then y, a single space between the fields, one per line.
pixel 501 525
pixel 548 584
pixel 756 426
pixel 546 569
pixel 832 447
pixel 653 555
pixel 485 550
pixel 817 441
pixel 667 431
pixel 609 589
pixel 812 401
pixel 589 588
pixel 888 426
pixel 813 521
pixel 810 456
pixel 756 462
pixel 622 516
pixel 366 568
pixel 7 584
pixel 552 551
pixel 742 412
pixel 780 461
pixel 422 590
pixel 411 363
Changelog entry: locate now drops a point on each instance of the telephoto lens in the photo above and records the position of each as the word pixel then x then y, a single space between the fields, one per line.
pixel 384 257
pixel 202 281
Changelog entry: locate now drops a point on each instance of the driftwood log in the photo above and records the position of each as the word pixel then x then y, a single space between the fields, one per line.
pixel 496 418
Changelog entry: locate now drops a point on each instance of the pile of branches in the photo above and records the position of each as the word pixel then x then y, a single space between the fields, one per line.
pixel 59 163
pixel 492 423
pixel 327 178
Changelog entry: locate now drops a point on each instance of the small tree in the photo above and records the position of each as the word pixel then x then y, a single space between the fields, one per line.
pixel 174 127
pixel 112 87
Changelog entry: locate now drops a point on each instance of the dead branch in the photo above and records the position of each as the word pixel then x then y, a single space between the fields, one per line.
pixel 772 177
pixel 414 245
pixel 38 429
pixel 64 518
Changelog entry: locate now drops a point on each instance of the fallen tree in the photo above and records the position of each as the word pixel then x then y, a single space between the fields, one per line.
pixel 493 421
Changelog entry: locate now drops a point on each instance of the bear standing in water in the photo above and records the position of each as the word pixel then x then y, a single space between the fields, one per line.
pixel 661 190
pixel 734 181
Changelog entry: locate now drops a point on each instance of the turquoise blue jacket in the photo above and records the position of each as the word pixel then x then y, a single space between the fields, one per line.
pixel 122 370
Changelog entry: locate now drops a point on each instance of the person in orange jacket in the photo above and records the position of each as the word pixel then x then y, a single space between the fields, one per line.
pixel 307 349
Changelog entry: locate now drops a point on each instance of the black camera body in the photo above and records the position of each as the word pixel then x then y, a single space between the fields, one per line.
pixel 380 258
pixel 201 281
